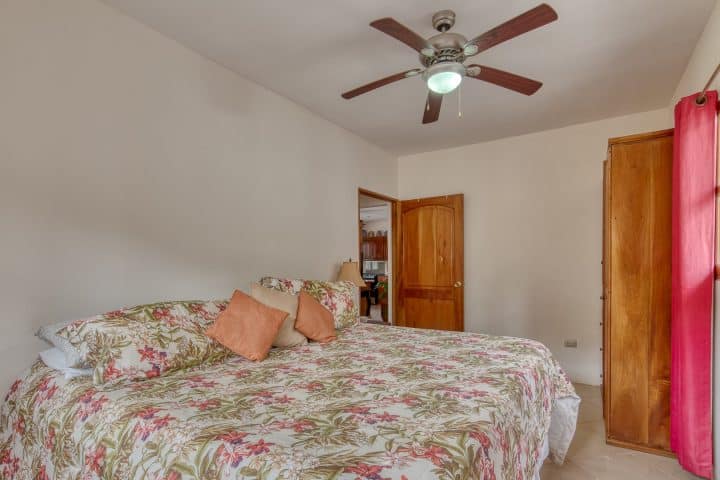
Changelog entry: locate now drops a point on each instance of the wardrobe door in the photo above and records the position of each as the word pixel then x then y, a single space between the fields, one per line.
pixel 637 343
pixel 660 296
pixel 606 286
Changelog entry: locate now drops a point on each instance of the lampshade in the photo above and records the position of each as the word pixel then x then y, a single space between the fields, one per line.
pixel 443 78
pixel 350 272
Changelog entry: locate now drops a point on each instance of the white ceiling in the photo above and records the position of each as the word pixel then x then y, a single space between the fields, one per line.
pixel 369 214
pixel 364 201
pixel 602 58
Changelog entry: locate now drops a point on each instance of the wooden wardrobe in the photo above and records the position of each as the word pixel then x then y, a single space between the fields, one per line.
pixel 636 291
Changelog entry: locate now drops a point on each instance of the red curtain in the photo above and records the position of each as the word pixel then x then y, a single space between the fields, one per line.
pixel 693 265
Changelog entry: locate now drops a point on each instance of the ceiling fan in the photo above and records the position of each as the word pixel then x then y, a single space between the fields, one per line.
pixel 442 56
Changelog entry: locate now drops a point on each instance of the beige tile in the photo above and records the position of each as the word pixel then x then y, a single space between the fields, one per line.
pixel 589 457
pixel 567 471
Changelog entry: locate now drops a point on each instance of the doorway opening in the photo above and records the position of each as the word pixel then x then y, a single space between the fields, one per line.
pixel 376 240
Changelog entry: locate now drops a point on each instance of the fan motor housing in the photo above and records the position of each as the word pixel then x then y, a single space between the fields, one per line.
pixel 448 41
pixel 443 20
pixel 448 48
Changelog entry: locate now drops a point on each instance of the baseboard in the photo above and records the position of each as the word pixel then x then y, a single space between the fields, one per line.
pixel 640 448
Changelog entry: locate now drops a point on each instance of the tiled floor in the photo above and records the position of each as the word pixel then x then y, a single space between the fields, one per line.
pixel 375 312
pixel 590 458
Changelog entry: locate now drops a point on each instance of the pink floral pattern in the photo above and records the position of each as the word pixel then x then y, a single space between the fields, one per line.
pixel 379 403
pixel 341 298
pixel 147 341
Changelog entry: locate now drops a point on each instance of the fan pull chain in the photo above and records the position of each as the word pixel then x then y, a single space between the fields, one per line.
pixel 460 101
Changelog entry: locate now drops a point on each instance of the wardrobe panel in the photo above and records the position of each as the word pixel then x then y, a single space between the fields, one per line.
pixel 636 289
pixel 631 271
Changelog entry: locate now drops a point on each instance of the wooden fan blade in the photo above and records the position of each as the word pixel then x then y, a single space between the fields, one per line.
pixel 530 20
pixel 432 107
pixel 400 32
pixel 380 83
pixel 505 79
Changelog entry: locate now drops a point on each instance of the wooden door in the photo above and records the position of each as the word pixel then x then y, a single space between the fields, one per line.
pixel 637 286
pixel 431 283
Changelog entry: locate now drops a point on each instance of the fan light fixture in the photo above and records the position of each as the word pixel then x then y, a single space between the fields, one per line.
pixel 442 56
pixel 443 78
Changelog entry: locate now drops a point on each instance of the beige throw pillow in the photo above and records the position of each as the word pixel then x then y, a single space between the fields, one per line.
pixel 287 336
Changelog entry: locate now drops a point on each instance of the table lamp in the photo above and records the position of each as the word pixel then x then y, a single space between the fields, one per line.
pixel 350 272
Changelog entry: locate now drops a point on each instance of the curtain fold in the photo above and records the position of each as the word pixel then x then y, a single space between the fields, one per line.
pixel 693 264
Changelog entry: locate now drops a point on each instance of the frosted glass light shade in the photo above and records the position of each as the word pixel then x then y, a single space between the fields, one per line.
pixel 445 77
pixel 444 82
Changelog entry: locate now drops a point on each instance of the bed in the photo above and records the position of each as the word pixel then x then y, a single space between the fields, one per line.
pixel 379 403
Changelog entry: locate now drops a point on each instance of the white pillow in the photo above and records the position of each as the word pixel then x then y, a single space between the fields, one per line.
pixel 49 334
pixel 55 359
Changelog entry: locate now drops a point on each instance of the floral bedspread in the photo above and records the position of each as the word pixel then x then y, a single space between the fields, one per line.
pixel 379 403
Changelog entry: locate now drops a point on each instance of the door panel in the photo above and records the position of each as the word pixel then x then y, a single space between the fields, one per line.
pixel 659 416
pixel 444 241
pixel 631 272
pixel 436 314
pixel 411 257
pixel 637 261
pixel 660 298
pixel 431 285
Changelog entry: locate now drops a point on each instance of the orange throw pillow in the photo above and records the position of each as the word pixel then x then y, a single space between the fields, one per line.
pixel 313 320
pixel 247 327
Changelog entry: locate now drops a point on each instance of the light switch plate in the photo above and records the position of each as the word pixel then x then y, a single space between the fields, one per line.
pixel 571 343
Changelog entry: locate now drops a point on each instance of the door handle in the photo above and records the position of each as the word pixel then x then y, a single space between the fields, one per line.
pixel 458 284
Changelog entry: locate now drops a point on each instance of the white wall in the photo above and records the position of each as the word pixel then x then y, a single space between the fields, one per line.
pixel 704 60
pixel 375 225
pixel 134 170
pixel 533 231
